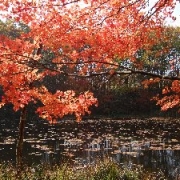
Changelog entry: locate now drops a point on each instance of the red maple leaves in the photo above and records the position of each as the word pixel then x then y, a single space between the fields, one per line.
pixel 171 97
pixel 87 31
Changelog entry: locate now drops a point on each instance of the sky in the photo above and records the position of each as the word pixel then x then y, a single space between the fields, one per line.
pixel 176 13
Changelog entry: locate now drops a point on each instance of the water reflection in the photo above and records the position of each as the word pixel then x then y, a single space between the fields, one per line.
pixel 154 144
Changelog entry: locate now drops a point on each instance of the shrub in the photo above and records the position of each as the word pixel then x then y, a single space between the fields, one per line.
pixel 102 170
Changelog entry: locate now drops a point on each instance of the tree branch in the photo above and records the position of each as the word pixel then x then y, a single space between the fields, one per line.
pixel 127 72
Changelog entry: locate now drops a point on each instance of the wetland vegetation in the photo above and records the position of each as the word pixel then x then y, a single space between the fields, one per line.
pixel 153 144
pixel 105 169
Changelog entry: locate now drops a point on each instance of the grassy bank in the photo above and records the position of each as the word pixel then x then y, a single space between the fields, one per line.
pixel 103 170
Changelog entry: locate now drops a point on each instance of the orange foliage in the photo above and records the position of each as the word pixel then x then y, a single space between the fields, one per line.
pixel 81 29
pixel 171 97
pixel 150 81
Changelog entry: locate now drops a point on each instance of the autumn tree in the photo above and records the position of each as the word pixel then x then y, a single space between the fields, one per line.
pixel 96 34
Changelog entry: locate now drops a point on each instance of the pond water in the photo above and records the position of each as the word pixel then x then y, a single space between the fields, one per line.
pixel 154 143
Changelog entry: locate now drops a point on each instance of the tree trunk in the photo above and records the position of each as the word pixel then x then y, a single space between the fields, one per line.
pixel 19 147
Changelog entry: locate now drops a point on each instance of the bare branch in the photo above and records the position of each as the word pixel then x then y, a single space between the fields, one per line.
pixel 127 72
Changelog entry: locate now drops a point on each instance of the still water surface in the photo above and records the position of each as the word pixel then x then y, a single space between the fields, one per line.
pixel 155 144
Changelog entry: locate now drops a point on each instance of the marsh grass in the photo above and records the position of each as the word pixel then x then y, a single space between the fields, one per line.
pixel 102 170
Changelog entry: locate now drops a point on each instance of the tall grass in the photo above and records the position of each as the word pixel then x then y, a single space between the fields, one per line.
pixel 103 170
